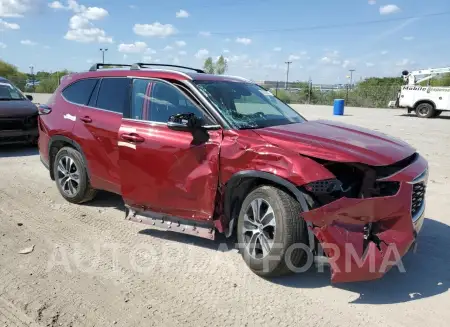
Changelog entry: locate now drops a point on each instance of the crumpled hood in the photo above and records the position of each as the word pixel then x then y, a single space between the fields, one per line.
pixel 335 141
pixel 17 108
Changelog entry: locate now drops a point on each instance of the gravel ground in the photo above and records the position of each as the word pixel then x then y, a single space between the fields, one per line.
pixel 90 267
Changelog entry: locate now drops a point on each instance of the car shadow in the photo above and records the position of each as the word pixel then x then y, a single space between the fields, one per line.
pixel 18 150
pixel 427 273
pixel 414 116
pixel 105 199
pixel 221 243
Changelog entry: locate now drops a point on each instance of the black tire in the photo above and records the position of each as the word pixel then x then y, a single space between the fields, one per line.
pixel 425 110
pixel 84 191
pixel 290 230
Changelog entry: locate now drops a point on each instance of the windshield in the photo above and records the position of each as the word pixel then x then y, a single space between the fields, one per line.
pixel 247 105
pixel 9 92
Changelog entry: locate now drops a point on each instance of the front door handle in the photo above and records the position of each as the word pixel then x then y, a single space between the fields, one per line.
pixel 132 137
pixel 86 119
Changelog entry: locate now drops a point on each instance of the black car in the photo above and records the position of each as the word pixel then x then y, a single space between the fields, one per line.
pixel 18 115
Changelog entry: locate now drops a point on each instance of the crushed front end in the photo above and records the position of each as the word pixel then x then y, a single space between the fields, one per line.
pixel 368 217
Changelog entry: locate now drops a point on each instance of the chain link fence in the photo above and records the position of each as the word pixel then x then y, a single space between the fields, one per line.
pixel 369 97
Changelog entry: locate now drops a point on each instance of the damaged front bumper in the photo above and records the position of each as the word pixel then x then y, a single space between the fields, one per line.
pixel 363 238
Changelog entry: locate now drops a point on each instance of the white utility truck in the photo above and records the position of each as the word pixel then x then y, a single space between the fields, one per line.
pixel 425 101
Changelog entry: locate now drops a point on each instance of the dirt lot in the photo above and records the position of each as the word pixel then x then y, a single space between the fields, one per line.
pixel 90 267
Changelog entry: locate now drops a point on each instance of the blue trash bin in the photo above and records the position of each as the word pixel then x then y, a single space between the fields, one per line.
pixel 338 108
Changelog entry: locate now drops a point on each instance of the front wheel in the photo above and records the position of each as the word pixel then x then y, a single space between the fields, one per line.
pixel 272 235
pixel 425 110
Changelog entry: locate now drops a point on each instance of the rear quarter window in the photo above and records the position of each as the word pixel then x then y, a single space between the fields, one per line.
pixel 80 91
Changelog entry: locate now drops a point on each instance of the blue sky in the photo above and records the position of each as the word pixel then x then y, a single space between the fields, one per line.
pixel 68 34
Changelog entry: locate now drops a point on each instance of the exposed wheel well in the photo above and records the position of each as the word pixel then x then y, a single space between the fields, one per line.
pixel 424 101
pixel 53 150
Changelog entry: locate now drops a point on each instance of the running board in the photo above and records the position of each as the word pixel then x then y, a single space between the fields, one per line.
pixel 171 224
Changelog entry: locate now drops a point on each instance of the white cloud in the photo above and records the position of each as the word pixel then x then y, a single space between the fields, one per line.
pixel 389 9
pixel 156 29
pixel 180 43
pixel 147 58
pixel 227 39
pixel 204 33
pixel 293 57
pixel 202 53
pixel 408 38
pixel 405 62
pixel 182 14
pixel 168 48
pixel 346 63
pixel 56 5
pixel 27 42
pixel 243 40
pixel 384 52
pixel 136 47
pixel 125 57
pixel 2 45
pixel 132 6
pixel 9 26
pixel 150 51
pixel 88 35
pixel 370 64
pixel 277 49
pixel 81 28
pixel 372 2
pixel 15 8
pixel 226 51
pixel 182 53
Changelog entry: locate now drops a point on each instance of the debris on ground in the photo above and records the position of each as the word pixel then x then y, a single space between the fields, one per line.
pixel 27 250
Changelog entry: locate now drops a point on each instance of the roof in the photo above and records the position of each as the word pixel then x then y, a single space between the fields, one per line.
pixel 153 70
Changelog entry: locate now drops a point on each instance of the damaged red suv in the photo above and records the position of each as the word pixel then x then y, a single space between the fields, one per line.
pixel 203 154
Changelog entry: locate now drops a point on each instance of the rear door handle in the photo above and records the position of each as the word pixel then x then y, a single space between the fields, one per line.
pixel 132 137
pixel 86 119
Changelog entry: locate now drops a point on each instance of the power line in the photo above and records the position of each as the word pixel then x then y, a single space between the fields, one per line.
pixel 318 27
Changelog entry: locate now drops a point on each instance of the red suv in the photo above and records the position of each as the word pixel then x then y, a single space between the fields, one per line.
pixel 199 154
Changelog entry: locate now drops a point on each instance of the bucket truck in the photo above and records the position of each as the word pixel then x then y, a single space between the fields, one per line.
pixel 425 101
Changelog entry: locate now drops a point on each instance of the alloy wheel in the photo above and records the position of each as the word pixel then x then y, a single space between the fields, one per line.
pixel 68 176
pixel 259 228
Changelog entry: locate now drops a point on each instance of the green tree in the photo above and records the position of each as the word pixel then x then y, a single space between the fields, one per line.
pixel 208 66
pixel 11 73
pixel 220 67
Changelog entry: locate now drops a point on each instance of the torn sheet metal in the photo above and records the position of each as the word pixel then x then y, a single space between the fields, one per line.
pixel 339 227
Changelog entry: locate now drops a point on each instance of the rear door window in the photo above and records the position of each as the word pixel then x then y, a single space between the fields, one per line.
pixel 114 94
pixel 80 91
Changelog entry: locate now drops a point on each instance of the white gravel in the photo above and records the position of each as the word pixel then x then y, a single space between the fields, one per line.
pixel 90 267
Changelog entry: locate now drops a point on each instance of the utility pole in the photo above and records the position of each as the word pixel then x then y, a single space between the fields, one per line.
pixel 103 50
pixel 287 73
pixel 351 77
pixel 309 90
pixel 32 75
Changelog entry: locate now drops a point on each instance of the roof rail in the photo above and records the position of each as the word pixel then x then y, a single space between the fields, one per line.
pixel 140 65
pixel 96 67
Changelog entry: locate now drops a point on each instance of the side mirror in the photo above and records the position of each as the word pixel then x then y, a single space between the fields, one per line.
pixel 185 122
pixel 29 97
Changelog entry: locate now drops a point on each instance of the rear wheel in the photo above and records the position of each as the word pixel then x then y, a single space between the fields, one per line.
pixel 425 110
pixel 272 235
pixel 71 176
